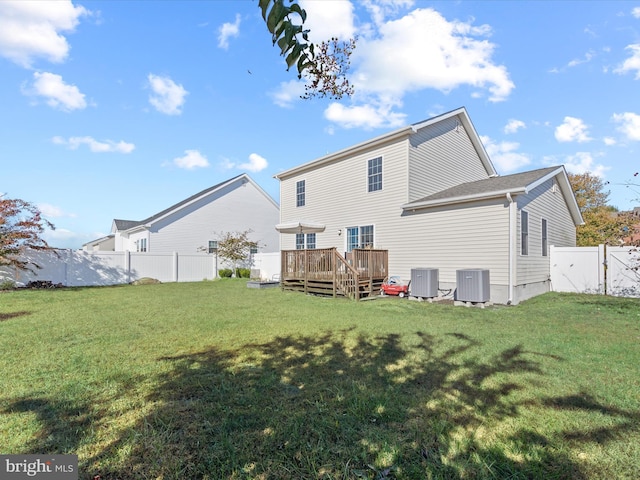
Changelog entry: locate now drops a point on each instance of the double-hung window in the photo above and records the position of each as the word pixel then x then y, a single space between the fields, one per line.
pixel 524 232
pixel 374 174
pixel 300 193
pixel 359 237
pixel 213 246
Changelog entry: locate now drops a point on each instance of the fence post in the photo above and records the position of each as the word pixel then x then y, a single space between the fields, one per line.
pixel 127 265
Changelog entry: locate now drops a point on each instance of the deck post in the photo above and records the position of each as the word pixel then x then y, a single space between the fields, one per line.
pixel 306 271
pixel 335 272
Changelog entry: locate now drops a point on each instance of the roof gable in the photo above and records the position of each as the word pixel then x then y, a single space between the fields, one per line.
pixel 244 178
pixel 397 135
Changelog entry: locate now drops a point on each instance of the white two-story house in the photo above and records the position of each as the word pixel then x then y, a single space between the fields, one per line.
pixel 429 194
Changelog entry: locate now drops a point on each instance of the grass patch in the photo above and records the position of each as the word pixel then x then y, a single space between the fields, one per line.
pixel 213 380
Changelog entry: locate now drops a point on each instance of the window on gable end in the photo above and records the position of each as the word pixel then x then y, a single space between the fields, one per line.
pixel 300 193
pixel 374 174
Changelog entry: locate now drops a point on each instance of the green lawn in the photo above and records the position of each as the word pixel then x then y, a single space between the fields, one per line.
pixel 218 381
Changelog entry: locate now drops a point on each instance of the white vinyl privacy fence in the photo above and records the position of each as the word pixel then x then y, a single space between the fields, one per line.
pixel 77 268
pixel 602 269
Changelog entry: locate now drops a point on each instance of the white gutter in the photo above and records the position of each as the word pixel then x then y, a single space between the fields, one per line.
pixel 512 235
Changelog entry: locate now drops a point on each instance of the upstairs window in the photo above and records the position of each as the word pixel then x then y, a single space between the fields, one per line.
pixel 544 238
pixel 213 246
pixel 524 233
pixel 374 174
pixel 300 193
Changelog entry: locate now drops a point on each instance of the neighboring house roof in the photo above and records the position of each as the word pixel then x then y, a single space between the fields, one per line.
pixel 132 225
pixel 400 134
pixel 125 224
pixel 99 240
pixel 516 184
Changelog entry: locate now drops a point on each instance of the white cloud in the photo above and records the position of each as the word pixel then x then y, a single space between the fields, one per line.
pixel 579 61
pixel 380 9
pixel 287 93
pixel 256 163
pixel 583 162
pixel 631 64
pixel 56 93
pixel 363 116
pixel 504 155
pixel 228 30
pixel 572 130
pixel 609 141
pixel 51 211
pixel 191 159
pixel 326 20
pixel 636 12
pixel 168 97
pixel 29 30
pixel 514 125
pixel 629 124
pixel 423 50
pixel 94 145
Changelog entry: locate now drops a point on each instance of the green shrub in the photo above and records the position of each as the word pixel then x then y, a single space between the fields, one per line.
pixel 243 273
pixel 7 285
pixel 225 272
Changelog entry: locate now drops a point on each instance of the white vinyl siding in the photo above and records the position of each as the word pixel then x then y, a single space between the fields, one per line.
pixel 442 156
pixel 337 196
pixel 541 203
pixel 235 208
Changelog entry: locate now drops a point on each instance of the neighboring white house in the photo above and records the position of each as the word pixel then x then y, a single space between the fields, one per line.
pixel 429 194
pixel 193 225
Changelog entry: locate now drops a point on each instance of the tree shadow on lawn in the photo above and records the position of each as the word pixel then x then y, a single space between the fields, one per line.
pixel 340 405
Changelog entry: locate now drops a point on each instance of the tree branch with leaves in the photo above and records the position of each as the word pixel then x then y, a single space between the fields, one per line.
pixel 21 229
pixel 324 66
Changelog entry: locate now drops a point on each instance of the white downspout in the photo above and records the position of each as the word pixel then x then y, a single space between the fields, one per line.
pixel 512 235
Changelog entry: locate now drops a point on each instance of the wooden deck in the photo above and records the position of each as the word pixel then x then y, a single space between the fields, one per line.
pixel 326 272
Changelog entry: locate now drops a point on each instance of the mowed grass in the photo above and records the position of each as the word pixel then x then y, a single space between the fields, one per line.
pixel 214 380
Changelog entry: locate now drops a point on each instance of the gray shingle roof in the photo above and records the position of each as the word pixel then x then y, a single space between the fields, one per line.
pixel 489 186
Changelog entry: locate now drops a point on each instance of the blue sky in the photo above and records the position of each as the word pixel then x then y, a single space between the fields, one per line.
pixel 121 109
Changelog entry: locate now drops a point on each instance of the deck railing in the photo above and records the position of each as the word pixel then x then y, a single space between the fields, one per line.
pixel 360 269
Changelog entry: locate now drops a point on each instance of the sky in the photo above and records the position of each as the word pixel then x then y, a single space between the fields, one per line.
pixel 120 109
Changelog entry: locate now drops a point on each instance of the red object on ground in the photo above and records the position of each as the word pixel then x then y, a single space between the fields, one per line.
pixel 394 286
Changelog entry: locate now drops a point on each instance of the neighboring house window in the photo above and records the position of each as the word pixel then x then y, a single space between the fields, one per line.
pixel 311 240
pixel 524 233
pixel 213 246
pixel 374 174
pixel 300 193
pixel 359 237
pixel 141 245
pixel 253 250
pixel 544 238
pixel 299 241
